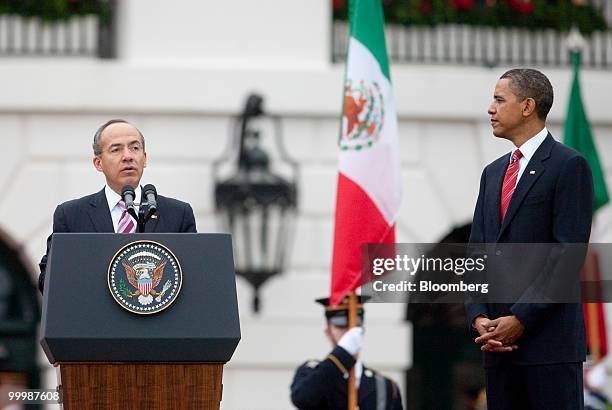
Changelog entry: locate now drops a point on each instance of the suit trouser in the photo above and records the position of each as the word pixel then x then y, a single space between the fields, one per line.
pixel 536 387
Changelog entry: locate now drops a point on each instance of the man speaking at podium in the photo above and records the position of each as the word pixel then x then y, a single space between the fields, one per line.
pixel 119 153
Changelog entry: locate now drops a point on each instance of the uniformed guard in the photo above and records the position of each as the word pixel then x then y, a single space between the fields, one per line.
pixel 323 384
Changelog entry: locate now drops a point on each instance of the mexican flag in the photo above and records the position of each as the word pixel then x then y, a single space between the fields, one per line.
pixel 369 189
pixel 578 135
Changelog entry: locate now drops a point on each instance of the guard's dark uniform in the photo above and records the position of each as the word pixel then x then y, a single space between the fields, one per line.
pixel 323 385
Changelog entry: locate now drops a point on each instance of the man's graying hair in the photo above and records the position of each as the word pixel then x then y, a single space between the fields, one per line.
pixel 530 83
pixel 97 148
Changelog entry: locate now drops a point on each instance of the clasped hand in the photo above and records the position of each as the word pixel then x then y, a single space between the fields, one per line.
pixel 498 335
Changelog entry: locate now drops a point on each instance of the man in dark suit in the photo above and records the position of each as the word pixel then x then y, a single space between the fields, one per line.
pixel 119 153
pixel 541 192
pixel 323 385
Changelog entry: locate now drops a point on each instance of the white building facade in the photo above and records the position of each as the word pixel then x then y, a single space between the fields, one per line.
pixel 183 69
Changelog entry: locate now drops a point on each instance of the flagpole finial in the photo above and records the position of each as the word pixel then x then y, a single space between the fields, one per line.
pixel 575 40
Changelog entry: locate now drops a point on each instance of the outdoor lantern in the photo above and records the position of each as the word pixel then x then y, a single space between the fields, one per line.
pixel 256 205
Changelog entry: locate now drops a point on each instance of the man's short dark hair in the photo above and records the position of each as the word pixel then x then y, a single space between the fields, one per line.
pixel 97 148
pixel 530 83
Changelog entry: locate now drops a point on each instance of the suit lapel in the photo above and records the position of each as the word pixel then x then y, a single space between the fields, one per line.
pixel 367 385
pixel 527 180
pixel 498 177
pixel 151 226
pixel 99 213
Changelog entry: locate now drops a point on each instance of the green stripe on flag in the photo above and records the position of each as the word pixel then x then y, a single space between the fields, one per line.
pixel 578 135
pixel 368 27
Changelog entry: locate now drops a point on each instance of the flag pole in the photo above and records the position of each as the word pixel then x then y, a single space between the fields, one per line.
pixel 591 311
pixel 352 322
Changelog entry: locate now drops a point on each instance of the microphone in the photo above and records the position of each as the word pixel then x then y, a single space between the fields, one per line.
pixel 150 193
pixel 128 195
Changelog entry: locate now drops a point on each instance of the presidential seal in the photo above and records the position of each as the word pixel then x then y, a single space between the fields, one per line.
pixel 144 277
pixel 363 115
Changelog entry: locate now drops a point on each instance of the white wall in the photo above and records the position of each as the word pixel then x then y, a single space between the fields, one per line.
pixel 185 68
pixel 236 33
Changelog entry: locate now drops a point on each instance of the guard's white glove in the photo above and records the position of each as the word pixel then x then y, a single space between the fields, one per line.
pixel 352 340
pixel 596 377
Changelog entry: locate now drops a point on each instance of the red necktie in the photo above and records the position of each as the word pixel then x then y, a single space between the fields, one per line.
pixel 510 182
pixel 126 223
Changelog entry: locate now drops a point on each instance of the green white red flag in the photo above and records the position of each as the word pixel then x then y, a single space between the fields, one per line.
pixel 578 135
pixel 369 187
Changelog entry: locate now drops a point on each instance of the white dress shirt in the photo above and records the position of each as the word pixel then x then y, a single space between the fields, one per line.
pixel 528 149
pixel 113 199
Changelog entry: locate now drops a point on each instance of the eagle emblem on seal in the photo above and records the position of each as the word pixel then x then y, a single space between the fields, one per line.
pixel 144 277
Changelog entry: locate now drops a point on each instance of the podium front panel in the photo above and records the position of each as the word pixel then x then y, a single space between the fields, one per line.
pixel 83 322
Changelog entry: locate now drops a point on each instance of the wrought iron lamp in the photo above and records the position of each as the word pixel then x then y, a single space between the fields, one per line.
pixel 256 205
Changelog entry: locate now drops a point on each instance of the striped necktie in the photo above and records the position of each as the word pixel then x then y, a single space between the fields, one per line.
pixel 510 182
pixel 126 222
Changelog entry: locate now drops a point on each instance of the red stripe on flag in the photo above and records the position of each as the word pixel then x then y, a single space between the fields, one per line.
pixel 597 320
pixel 358 221
pixel 594 313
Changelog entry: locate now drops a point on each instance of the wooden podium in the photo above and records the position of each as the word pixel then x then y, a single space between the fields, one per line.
pixel 147 386
pixel 110 357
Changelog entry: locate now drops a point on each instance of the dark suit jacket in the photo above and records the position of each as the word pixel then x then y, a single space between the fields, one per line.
pixel 91 214
pixel 552 205
pixel 322 386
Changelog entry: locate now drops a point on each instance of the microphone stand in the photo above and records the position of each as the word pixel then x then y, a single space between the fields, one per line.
pixel 143 217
